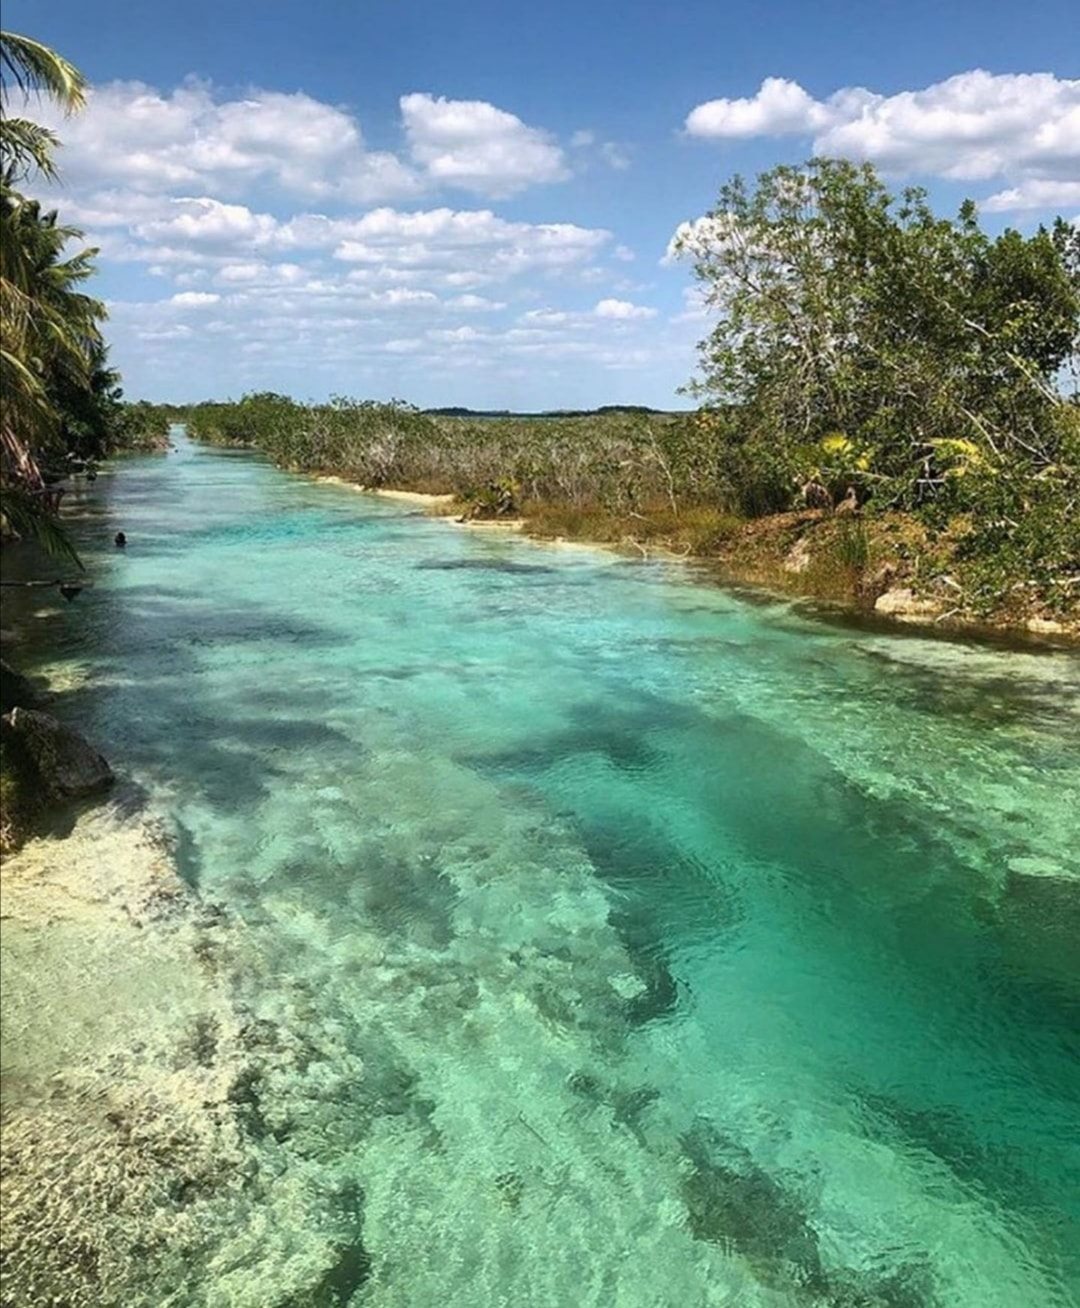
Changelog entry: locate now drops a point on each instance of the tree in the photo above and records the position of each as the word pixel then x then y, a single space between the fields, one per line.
pixel 865 341
pixel 49 336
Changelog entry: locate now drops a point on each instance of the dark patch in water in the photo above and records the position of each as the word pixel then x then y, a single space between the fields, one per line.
pixel 510 1187
pixel 245 1094
pixel 199 1043
pixel 184 851
pixel 627 1106
pixel 409 897
pixel 481 565
pixel 733 1202
pixel 350 1267
pixel 736 1204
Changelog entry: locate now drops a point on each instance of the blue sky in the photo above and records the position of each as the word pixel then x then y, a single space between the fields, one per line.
pixel 472 204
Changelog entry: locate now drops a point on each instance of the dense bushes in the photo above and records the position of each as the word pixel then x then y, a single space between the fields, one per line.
pixel 619 461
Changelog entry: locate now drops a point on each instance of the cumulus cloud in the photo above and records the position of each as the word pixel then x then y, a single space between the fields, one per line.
pixel 138 137
pixel 476 146
pixel 194 299
pixel 778 107
pixel 974 126
pixel 622 309
pixel 476 304
pixel 477 243
pixel 460 248
pixel 193 138
pixel 276 248
pixel 1035 193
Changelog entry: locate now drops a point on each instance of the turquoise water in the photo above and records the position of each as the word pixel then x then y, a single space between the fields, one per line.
pixel 721 955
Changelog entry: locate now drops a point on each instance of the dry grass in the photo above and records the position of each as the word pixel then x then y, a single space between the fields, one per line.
pixel 698 531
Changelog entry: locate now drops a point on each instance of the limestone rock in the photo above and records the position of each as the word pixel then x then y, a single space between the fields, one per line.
pixel 798 557
pixel 902 603
pixel 1045 626
pixel 68 764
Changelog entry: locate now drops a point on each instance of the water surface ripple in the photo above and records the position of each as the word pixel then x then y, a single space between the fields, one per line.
pixel 721 955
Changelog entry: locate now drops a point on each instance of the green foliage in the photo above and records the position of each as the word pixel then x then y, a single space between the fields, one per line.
pixel 867 348
pixel 57 395
pixel 494 499
pixel 1025 536
pixel 620 461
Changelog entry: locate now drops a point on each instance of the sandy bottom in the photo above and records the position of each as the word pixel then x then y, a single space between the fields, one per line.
pixel 185 1123
pixel 138 1161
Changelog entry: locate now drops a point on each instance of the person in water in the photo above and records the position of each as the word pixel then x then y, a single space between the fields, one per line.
pixel 120 540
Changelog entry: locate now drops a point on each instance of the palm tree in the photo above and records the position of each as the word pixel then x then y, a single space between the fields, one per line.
pixel 48 327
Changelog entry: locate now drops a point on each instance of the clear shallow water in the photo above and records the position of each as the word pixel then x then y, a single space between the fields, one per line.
pixel 723 956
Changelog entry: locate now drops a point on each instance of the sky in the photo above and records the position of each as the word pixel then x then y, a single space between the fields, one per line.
pixel 473 204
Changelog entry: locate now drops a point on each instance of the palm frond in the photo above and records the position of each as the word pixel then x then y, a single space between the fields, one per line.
pixel 24 147
pixel 34 69
pixel 27 516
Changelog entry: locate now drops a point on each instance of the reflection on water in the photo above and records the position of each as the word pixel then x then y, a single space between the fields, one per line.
pixel 675 949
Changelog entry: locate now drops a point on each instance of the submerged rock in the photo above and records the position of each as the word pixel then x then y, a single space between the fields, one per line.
pixel 349 1268
pixel 69 766
pixel 626 1106
pixel 15 689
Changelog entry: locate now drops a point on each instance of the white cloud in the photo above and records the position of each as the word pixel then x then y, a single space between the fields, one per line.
pixel 473 243
pixel 269 254
pixel 194 299
pixel 478 147
pixel 778 107
pixel 476 303
pixel 138 137
pixel 615 156
pixel 462 249
pixel 546 317
pixel 622 309
pixel 590 149
pixel 1035 193
pixel 973 126
pixel 209 223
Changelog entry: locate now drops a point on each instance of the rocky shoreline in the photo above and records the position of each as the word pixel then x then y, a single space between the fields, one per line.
pixel 156 1124
pixel 779 555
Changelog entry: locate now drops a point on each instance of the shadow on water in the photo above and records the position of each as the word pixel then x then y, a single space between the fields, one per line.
pixel 485 564
pixel 928 930
pixel 146 702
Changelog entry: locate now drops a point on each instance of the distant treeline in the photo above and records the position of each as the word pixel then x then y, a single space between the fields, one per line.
pixel 457 412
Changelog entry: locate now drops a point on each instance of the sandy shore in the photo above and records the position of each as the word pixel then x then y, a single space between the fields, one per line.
pixel 406 496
